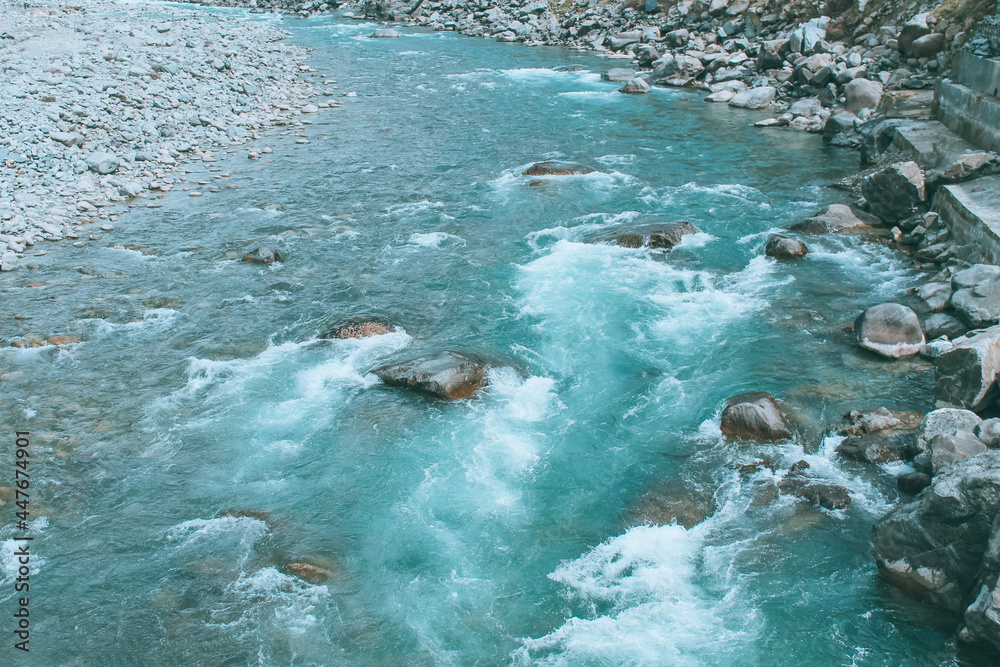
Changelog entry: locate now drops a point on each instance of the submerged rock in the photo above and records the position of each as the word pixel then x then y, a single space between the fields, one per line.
pixel 835 219
pixel 262 255
pixel 360 327
pixel 310 573
pixel 965 375
pixel 672 502
pixel 782 247
pixel 755 416
pixel 660 237
pixel 934 546
pixel 449 375
pixel 555 168
pixel 889 329
pixel 797 483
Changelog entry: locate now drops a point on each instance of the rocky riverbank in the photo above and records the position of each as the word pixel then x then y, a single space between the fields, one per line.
pixel 105 102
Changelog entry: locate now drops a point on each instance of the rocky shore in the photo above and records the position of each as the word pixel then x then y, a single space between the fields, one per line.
pixel 108 103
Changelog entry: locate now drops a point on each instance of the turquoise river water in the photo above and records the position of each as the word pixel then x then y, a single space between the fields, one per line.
pixel 502 530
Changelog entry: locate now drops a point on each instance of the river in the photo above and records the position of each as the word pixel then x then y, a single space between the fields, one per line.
pixel 497 530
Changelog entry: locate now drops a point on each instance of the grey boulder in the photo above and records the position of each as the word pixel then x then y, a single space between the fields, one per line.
pixel 448 375
pixel 964 375
pixel 836 219
pixel 896 191
pixel 782 247
pixel 889 329
pixel 934 546
pixel 755 98
pixel 754 416
pixel 102 163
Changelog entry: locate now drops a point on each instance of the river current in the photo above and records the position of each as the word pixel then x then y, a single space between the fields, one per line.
pixel 201 437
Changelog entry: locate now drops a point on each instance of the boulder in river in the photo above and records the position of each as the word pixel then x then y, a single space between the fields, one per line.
pixel 934 546
pixel 665 237
pixel 383 33
pixel 965 374
pixel 880 435
pixel 360 327
pixel 672 502
pixel 889 329
pixel 262 255
pixel 799 484
pixel 449 375
pixel 783 247
pixel 635 87
pixel 754 416
pixel 557 168
pixel 836 219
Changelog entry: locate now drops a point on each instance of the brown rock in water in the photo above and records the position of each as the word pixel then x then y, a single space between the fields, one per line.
pixel 755 416
pixel 537 184
pixel 360 327
pixel 262 255
pixel 630 240
pixel 449 375
pixel 837 218
pixel 782 247
pixel 28 341
pixel 555 168
pixel 310 573
pixel 64 340
pixel 661 237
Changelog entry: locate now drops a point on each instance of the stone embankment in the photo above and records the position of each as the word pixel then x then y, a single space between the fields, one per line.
pixel 106 101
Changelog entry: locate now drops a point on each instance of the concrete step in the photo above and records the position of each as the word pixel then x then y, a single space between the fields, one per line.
pixel 972 212
pixel 973 115
pixel 930 144
pixel 980 74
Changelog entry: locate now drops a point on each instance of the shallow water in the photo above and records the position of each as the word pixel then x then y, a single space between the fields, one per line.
pixel 499 530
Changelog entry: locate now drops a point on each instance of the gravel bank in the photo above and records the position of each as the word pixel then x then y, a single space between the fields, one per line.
pixel 105 101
